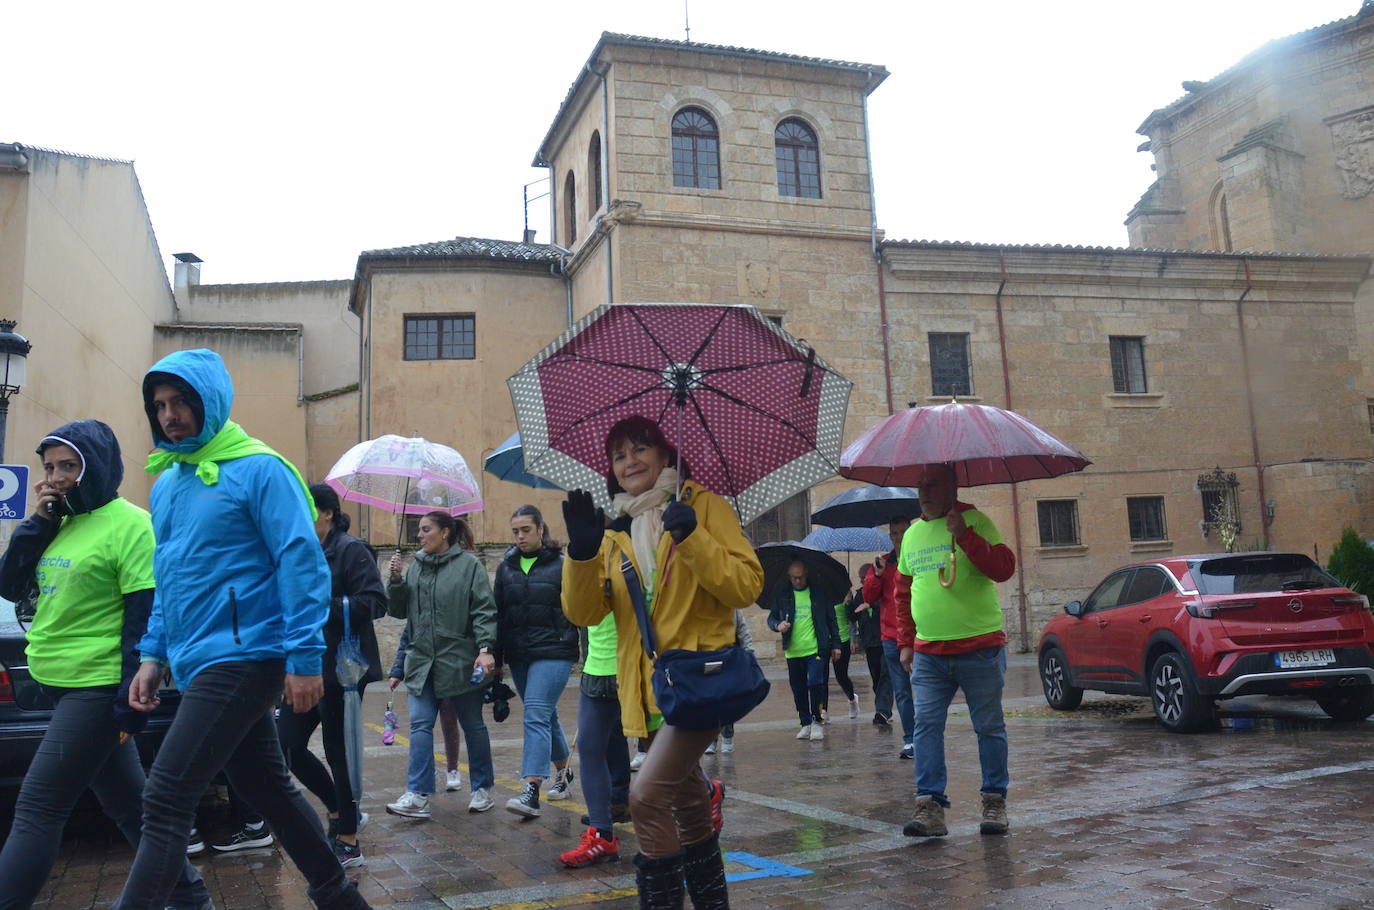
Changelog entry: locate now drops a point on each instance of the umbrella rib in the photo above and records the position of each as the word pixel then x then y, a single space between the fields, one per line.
pixel 760 411
pixel 634 312
pixel 724 462
pixel 583 358
pixel 597 413
pixel 738 368
pixel 707 340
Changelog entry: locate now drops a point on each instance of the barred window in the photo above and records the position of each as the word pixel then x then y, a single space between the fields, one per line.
pixel 1145 514
pixel 441 337
pixel 1128 364
pixel 798 159
pixel 696 150
pixel 949 364
pixel 1058 522
pixel 788 520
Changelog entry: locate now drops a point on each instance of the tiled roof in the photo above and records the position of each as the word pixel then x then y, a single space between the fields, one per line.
pixel 39 148
pixel 876 73
pixel 1075 248
pixel 470 248
pixel 1268 47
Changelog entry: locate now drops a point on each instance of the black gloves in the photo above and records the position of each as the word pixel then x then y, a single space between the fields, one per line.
pixel 680 520
pixel 126 719
pixel 586 524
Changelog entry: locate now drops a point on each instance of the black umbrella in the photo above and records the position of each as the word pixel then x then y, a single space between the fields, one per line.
pixel 867 507
pixel 824 572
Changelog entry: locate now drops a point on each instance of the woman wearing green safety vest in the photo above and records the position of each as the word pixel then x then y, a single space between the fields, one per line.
pixel 89 553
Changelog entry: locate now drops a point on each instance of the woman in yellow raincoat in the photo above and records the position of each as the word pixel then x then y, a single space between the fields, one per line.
pixel 696 568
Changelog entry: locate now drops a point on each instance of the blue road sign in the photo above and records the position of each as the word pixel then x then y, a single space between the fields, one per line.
pixel 14 490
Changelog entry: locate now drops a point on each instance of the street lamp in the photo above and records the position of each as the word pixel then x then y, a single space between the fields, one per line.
pixel 14 353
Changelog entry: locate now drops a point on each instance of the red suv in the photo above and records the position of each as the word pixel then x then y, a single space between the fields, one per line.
pixel 1190 630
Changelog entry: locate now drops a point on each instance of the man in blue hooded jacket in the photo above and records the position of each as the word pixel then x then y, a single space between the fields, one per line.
pixel 241 600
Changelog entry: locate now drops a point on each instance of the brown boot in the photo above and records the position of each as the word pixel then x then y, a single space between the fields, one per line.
pixel 929 820
pixel 994 814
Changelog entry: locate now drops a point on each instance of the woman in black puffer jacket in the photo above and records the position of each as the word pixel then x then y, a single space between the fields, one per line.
pixel 539 645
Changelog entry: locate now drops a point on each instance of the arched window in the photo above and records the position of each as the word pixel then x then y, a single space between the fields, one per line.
pixel 570 210
pixel 594 200
pixel 696 149
pixel 799 159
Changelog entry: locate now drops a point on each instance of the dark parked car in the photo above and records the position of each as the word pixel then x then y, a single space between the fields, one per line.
pixel 25 709
pixel 1188 631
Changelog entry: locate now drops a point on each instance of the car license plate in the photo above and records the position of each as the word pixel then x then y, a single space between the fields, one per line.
pixel 1296 660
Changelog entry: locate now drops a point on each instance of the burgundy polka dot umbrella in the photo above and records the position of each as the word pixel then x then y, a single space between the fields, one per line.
pixel 757 415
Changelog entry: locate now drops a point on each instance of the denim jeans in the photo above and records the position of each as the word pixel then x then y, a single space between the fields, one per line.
pixel 424 708
pixel 901 686
pixel 225 721
pixel 80 749
pixel 882 685
pixel 808 679
pixel 539 683
pixel 605 758
pixel 936 677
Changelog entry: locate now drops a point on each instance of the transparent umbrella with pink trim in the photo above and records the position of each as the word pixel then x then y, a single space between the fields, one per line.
pixel 406 476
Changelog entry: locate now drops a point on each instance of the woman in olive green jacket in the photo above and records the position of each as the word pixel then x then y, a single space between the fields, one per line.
pixel 451 626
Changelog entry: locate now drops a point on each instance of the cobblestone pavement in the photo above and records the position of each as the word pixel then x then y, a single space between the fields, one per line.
pixel 1107 811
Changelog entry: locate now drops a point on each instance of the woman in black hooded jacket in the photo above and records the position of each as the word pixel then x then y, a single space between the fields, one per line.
pixel 539 645
pixel 89 554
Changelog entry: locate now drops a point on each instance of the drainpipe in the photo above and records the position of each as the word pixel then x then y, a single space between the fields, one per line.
pixel 606 181
pixel 564 256
pixel 1250 401
pixel 300 368
pixel 1022 613
pixel 877 260
pixel 365 401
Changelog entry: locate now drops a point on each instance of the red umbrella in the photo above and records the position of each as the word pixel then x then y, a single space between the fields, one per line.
pixel 981 443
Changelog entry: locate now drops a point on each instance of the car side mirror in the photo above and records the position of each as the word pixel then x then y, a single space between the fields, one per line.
pixel 1074 608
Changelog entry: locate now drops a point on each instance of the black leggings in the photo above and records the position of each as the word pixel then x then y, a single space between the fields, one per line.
pixel 842 671
pixel 335 792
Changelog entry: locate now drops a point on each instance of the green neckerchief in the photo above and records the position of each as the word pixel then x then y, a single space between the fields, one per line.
pixel 229 443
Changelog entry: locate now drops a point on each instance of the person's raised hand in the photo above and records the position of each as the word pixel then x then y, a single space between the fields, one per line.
pixel 395 567
pixel 956 524
pixel 680 520
pixel 585 523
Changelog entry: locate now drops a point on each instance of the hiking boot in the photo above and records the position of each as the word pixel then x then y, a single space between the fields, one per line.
pixel 804 732
pixel 527 803
pixel 717 808
pixel 562 784
pixel 410 805
pixel 453 780
pixel 727 744
pixel 817 732
pixel 994 814
pixel 348 855
pixel 929 820
pixel 195 844
pixel 481 800
pixel 620 815
pixel 592 849
pixel 246 838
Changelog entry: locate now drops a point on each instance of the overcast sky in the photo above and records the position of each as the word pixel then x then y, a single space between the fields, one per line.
pixel 278 140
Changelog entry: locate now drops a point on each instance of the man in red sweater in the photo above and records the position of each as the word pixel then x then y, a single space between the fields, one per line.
pixel 886 586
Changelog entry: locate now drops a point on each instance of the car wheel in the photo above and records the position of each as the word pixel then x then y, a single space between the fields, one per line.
pixel 1174 695
pixel 1054 677
pixel 1348 704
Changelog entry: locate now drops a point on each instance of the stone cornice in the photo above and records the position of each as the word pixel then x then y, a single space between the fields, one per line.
pixel 736 224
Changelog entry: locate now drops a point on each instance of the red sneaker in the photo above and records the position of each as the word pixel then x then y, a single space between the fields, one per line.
pixel 592 849
pixel 717 811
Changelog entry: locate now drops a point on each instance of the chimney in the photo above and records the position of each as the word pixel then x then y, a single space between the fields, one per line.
pixel 529 235
pixel 186 276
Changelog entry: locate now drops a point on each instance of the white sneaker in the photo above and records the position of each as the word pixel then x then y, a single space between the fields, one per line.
pixel 711 749
pixel 562 785
pixel 727 744
pixel 825 716
pixel 362 821
pixel 854 707
pixel 638 760
pixel 817 732
pixel 805 731
pixel 410 805
pixel 481 800
pixel 455 780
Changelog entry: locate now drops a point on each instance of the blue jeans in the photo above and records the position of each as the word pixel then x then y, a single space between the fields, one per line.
pixel 901 686
pixel 539 683
pixel 80 749
pixel 936 677
pixel 424 708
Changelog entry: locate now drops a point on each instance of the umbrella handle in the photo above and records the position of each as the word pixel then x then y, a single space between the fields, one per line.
pixel 951 563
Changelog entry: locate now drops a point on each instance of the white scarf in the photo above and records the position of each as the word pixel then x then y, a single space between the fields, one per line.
pixel 646 525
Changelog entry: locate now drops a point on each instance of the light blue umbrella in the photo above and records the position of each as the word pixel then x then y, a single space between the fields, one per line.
pixel 508 463
pixel 849 540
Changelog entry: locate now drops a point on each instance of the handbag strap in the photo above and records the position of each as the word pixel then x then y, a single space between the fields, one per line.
pixel 646 626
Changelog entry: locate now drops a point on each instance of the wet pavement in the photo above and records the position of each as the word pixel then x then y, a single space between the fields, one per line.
pixel 1107 810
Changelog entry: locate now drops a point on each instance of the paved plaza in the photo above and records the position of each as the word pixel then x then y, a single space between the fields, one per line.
pixel 1107 811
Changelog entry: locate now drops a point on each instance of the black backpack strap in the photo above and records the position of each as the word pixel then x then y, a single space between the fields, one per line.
pixel 646 627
